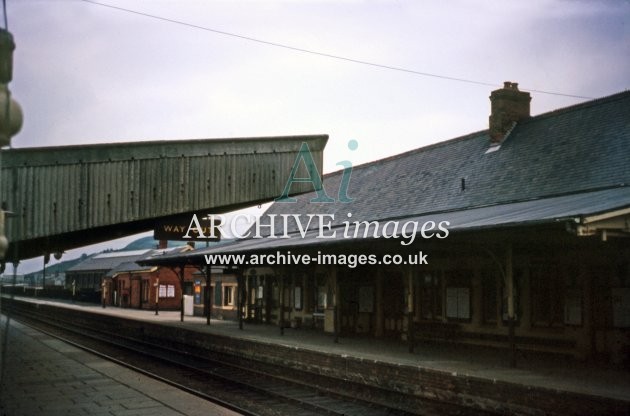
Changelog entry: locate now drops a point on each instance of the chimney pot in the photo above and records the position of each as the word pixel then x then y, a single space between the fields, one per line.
pixel 508 105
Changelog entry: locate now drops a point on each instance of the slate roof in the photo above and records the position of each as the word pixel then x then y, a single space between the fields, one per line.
pixel 107 261
pixel 537 211
pixel 581 148
pixel 128 267
pixel 558 166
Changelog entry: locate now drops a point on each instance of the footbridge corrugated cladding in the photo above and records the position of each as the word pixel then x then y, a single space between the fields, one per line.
pixel 69 196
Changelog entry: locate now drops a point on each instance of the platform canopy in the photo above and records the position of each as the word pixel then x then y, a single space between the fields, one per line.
pixel 602 213
pixel 69 196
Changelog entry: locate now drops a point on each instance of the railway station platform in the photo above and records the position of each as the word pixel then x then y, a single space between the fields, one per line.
pixel 45 376
pixel 565 378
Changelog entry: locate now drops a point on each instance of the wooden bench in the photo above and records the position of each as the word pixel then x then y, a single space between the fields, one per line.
pixel 318 320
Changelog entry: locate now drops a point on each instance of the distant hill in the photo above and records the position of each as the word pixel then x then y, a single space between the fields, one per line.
pixel 144 243
pixel 61 267
pixel 147 243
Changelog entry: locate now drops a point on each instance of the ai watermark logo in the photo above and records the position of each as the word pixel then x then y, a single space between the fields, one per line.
pixel 324 226
pixel 305 156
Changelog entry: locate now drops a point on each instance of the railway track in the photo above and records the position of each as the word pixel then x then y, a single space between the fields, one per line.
pixel 250 388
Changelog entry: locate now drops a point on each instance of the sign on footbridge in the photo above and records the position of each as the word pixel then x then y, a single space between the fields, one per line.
pixel 69 196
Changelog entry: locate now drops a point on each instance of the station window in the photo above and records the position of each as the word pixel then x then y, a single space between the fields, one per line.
pixel 320 293
pixel 217 293
pixel 458 302
pixel 322 298
pixel 166 291
pixel 518 278
pixel 297 297
pixel 228 296
pixel 431 296
pixel 188 288
pixel 458 292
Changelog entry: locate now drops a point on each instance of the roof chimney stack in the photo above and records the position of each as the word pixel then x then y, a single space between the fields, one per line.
pixel 508 105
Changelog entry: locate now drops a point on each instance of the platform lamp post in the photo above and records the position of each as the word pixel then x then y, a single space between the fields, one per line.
pixel 157 295
pixel 46 260
pixel 103 293
pixel 281 319
pixel 16 264
pixel 208 294
pixel 240 296
pixel 182 274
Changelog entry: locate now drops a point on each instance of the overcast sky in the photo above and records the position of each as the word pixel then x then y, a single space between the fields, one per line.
pixel 85 73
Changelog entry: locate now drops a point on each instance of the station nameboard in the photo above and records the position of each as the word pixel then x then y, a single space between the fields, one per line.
pixel 189 227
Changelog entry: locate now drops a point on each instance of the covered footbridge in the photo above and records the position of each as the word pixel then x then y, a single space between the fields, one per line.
pixel 70 196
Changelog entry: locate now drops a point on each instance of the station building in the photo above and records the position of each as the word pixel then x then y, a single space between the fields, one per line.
pixel 522 239
pixel 115 279
pixel 86 278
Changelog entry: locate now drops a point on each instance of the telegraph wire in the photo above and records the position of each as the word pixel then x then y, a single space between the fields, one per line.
pixel 322 54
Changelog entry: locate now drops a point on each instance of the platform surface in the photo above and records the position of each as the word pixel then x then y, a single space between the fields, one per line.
pixel 43 376
pixel 552 372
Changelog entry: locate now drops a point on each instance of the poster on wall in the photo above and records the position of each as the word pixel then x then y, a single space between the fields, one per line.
pixel 458 302
pixel 197 288
pixel 463 303
pixel 322 301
